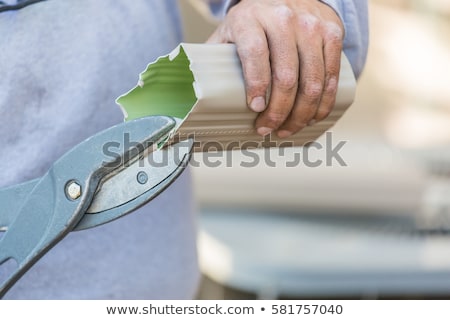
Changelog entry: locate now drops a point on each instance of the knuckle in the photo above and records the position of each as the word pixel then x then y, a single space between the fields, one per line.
pixel 257 86
pixel 287 79
pixel 284 14
pixel 333 32
pixel 332 86
pixel 313 90
pixel 274 119
pixel 323 113
pixel 297 124
pixel 309 23
pixel 255 47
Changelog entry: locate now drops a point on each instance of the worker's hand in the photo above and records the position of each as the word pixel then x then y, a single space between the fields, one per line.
pixel 289 50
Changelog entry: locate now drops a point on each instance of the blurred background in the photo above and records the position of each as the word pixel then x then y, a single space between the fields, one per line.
pixel 377 228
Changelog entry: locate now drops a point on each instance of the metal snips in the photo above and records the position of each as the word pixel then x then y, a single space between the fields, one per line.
pixel 103 178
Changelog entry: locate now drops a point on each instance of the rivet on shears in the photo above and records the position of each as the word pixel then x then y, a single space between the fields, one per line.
pixel 142 177
pixel 73 190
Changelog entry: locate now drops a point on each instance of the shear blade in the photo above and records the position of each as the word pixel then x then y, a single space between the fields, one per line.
pixel 137 184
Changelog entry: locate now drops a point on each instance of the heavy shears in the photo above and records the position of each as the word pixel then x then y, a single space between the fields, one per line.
pixel 101 179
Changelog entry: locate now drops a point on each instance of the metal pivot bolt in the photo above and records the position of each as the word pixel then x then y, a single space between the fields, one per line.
pixel 142 177
pixel 73 190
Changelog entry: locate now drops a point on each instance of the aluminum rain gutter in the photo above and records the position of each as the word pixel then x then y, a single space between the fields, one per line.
pixel 203 86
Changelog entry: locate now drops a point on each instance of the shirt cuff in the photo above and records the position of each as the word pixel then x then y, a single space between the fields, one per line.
pixel 219 8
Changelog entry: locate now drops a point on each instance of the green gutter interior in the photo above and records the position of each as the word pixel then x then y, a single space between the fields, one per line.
pixel 165 88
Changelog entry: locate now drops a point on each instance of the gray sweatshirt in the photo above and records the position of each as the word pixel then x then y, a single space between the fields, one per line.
pixel 62 65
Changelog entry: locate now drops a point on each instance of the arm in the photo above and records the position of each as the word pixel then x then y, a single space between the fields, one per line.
pixel 290 52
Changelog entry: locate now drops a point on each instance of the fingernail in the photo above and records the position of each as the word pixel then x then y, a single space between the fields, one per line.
pixel 264 131
pixel 258 104
pixel 284 134
pixel 312 122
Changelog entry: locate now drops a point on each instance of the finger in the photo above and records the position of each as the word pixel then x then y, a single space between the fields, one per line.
pixel 218 36
pixel 312 74
pixel 332 59
pixel 284 72
pixel 253 51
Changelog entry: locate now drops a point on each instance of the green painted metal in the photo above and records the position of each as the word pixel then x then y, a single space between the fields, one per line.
pixel 165 88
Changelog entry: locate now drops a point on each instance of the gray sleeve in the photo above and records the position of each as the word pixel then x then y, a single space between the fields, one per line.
pixel 354 14
pixel 219 8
